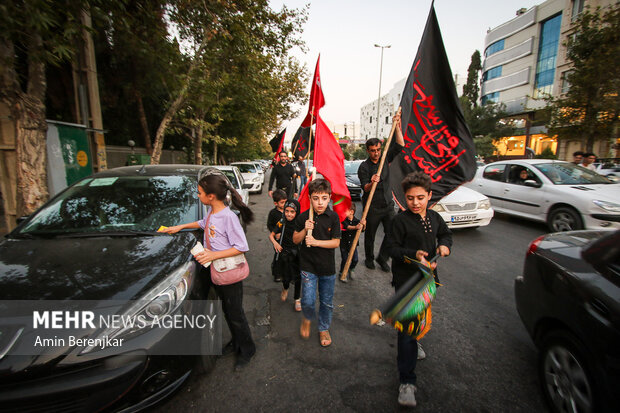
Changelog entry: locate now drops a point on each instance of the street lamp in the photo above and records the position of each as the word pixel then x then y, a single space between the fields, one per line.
pixel 380 75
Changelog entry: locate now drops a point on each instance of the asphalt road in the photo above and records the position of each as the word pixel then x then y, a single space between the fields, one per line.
pixel 480 358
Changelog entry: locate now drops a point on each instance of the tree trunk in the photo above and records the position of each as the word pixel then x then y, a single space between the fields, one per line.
pixel 143 123
pixel 214 153
pixel 198 146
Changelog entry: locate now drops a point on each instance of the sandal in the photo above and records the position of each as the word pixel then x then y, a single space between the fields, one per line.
pixel 304 330
pixel 297 305
pixel 325 338
pixel 283 294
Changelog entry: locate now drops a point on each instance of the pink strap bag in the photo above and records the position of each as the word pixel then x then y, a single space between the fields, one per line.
pixel 225 271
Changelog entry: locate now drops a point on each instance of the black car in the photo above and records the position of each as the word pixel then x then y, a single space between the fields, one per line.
pixel 353 182
pixel 96 243
pixel 569 301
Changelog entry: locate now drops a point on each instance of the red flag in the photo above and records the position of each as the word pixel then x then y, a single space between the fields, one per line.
pixel 317 100
pixel 329 162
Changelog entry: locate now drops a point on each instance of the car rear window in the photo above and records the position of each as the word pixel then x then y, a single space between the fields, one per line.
pixel 246 167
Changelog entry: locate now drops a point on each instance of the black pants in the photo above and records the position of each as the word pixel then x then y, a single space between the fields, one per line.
pixel 375 217
pixel 344 254
pixel 287 268
pixel 232 305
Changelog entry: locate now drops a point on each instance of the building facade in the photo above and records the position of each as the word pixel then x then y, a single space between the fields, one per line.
pixel 525 61
pixel 387 108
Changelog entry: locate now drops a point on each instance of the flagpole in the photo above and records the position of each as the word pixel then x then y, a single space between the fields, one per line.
pixel 311 211
pixel 343 276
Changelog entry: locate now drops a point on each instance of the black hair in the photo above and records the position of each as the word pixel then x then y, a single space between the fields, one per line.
pixel 372 142
pixel 283 152
pixel 352 207
pixel 219 186
pixel 321 186
pixel 278 195
pixel 585 155
pixel 578 153
pixel 416 179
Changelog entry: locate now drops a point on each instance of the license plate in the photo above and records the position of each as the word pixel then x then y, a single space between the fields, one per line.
pixel 458 218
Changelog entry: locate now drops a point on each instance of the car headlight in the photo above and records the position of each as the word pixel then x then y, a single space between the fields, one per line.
pixel 607 206
pixel 257 179
pixel 352 184
pixel 438 208
pixel 160 301
pixel 484 204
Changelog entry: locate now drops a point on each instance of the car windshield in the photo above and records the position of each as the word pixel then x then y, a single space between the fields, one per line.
pixel 566 173
pixel 351 167
pixel 232 178
pixel 126 203
pixel 246 167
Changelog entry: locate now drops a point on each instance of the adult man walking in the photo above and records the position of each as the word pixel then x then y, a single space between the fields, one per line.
pixel 301 172
pixel 382 206
pixel 283 174
pixel 588 161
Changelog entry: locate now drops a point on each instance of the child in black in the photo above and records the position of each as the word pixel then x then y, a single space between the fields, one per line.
pixel 421 233
pixel 349 228
pixel 287 252
pixel 275 216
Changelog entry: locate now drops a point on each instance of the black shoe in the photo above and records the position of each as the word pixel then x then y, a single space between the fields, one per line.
pixel 370 264
pixel 228 349
pixel 241 363
pixel 384 265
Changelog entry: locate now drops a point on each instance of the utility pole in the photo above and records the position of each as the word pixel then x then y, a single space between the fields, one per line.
pixel 380 76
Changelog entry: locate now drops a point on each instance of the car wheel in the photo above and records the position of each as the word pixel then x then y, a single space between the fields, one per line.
pixel 564 374
pixel 208 341
pixel 564 219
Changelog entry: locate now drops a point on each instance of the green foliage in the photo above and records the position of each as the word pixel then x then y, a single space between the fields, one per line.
pixel 472 88
pixel 359 153
pixel 547 153
pixel 589 110
pixel 484 146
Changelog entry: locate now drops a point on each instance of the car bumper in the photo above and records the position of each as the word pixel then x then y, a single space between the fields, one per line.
pixel 355 192
pixel 478 218
pixel 256 186
pixel 602 221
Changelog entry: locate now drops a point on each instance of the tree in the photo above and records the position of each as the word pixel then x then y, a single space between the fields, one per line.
pixel 589 110
pixel 33 35
pixel 471 88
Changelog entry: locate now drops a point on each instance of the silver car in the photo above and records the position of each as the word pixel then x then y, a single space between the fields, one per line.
pixel 561 194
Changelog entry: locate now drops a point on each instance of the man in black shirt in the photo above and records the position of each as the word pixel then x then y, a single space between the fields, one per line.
pixel 301 172
pixel 382 206
pixel 284 176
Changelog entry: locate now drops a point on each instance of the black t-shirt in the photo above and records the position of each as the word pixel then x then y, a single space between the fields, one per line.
pixel 383 194
pixel 317 260
pixel 273 218
pixel 287 238
pixel 283 177
pixel 349 235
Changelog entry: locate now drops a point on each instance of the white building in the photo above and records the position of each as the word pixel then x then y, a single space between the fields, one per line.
pixel 387 109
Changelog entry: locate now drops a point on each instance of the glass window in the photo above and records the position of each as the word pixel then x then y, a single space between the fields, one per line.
pixel 125 203
pixel 494 172
pixel 492 73
pixel 577 8
pixel 565 83
pixel 519 174
pixel 494 48
pixel 490 98
pixel 547 53
pixel 567 173
pixel 246 167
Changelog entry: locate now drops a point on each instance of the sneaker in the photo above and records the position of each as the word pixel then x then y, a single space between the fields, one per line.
pixel 384 265
pixel 370 264
pixel 421 352
pixel 297 305
pixel 406 395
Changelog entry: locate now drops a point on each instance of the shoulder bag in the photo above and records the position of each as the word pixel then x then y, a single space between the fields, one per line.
pixel 230 270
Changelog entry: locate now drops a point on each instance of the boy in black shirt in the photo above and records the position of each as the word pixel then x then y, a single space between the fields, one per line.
pixel 421 233
pixel 275 215
pixel 317 259
pixel 349 227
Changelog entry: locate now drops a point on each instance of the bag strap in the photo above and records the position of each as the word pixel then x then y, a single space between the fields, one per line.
pixel 207 229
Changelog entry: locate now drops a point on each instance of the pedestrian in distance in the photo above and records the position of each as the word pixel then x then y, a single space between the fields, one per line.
pixel 417 232
pixel 283 174
pixel 287 252
pixel 588 161
pixel 275 216
pixel 350 226
pixel 577 157
pixel 381 206
pixel 227 239
pixel 318 238
pixel 301 172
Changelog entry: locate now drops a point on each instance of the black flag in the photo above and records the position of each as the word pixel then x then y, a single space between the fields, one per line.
pixel 437 140
pixel 276 142
pixel 301 141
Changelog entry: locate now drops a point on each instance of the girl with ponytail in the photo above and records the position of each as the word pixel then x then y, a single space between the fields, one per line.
pixel 227 239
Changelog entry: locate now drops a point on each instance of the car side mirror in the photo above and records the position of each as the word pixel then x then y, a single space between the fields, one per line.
pixel 532 183
pixel 247 186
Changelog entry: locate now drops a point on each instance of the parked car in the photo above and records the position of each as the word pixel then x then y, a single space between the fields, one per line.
pixel 353 182
pixel 251 174
pixel 609 168
pixel 236 179
pixel 565 196
pixel 465 208
pixel 260 169
pixel 569 301
pixel 97 242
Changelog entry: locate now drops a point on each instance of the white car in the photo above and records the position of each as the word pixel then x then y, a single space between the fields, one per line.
pixel 260 170
pixel 251 175
pixel 236 179
pixel 563 195
pixel 609 169
pixel 465 208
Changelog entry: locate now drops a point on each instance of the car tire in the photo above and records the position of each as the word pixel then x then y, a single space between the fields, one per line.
pixel 564 219
pixel 564 373
pixel 207 358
